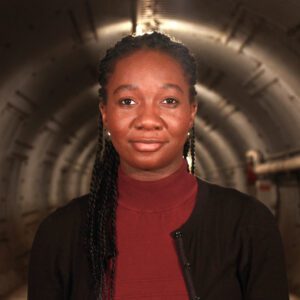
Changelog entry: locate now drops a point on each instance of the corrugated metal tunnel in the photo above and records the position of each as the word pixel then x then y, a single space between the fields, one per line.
pixel 247 127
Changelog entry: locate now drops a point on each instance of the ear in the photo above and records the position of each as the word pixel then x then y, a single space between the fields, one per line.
pixel 194 107
pixel 103 109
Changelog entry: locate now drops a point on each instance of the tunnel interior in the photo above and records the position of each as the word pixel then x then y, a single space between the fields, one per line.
pixel 248 97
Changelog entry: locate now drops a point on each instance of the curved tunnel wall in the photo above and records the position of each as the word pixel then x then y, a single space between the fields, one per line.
pixel 248 95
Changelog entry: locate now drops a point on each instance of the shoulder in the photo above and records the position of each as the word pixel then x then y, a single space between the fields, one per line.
pixel 68 212
pixel 57 246
pixel 65 220
pixel 235 206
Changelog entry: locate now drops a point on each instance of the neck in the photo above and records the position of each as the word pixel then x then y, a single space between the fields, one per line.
pixel 150 174
pixel 156 195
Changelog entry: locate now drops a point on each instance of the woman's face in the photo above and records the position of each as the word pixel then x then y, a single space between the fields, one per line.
pixel 148 113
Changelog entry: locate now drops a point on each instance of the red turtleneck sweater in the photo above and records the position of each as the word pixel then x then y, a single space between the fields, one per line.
pixel 148 211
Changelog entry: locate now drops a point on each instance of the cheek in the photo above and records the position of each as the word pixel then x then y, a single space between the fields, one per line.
pixel 118 125
pixel 117 122
pixel 180 126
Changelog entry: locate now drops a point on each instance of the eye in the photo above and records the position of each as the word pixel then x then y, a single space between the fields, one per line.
pixel 127 102
pixel 171 101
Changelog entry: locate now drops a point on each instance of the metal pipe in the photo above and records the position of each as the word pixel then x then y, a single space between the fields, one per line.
pixel 282 165
pixel 134 12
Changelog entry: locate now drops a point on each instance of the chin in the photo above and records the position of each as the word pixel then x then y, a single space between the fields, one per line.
pixel 150 163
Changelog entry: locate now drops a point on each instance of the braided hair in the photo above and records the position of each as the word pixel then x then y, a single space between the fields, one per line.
pixel 101 226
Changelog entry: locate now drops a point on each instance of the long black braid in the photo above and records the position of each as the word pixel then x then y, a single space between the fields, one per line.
pixel 101 241
pixel 189 149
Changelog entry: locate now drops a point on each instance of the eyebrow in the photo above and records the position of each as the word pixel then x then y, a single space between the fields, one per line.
pixel 131 87
pixel 172 86
pixel 127 87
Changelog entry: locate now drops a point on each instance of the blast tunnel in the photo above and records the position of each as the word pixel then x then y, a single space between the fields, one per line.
pixel 247 126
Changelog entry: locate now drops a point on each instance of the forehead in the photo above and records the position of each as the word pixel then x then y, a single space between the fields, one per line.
pixel 148 65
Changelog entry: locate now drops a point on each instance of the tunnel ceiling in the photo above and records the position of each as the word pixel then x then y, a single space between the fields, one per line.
pixel 248 94
pixel 248 76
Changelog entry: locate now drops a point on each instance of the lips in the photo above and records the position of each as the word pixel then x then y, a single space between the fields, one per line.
pixel 147 145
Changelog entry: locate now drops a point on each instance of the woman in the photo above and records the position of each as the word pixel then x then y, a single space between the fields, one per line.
pixel 149 229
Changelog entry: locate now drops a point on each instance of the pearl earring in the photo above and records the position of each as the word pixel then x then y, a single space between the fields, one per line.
pixel 107 133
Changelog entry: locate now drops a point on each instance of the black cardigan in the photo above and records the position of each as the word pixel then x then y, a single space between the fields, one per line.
pixel 229 248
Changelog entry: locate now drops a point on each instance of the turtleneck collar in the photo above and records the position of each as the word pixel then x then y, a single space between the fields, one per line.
pixel 155 196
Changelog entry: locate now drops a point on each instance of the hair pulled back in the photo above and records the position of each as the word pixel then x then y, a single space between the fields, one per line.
pixel 149 41
pixel 101 225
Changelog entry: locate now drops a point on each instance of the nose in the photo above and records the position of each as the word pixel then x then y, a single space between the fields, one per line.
pixel 148 119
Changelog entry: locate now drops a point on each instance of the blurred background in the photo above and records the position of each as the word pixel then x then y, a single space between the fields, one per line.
pixel 247 127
